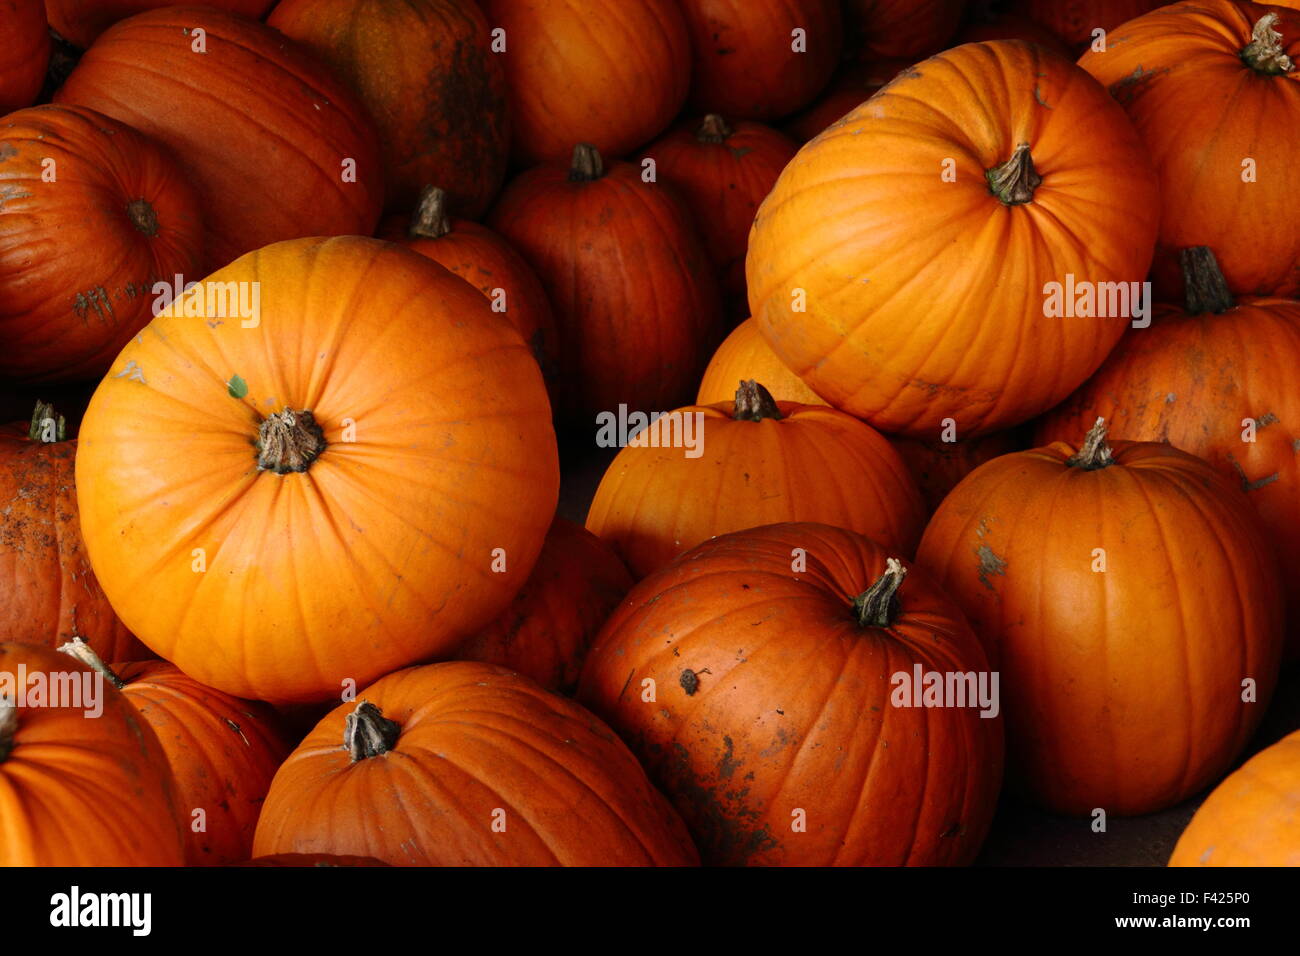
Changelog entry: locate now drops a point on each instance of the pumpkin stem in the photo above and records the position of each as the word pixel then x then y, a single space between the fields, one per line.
pixel 142 216
pixel 80 650
pixel 587 166
pixel 289 441
pixel 368 733
pixel 877 606
pixel 1206 288
pixel 714 129
pixel 8 726
pixel 1095 453
pixel 754 403
pixel 430 220
pixel 1264 53
pixel 1015 180
pixel 44 412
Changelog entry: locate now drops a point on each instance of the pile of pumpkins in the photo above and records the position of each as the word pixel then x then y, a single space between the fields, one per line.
pixel 958 511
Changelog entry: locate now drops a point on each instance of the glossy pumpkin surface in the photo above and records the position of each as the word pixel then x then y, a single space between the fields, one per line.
pixel 745 354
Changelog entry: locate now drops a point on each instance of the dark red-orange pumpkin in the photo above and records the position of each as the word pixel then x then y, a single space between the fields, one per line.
pixel 904 28
pixel 80 22
pixel 1075 20
pixel 856 83
pixel 23 54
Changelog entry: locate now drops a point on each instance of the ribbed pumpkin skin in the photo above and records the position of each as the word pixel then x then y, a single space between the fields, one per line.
pixel 590 71
pixel 792 710
pixel 944 314
pixel 904 28
pixel 1074 20
pixel 1180 69
pixel 744 64
pixel 813 464
pixel 545 632
pixel 79 255
pixel 81 21
pixel 744 355
pixel 635 299
pixel 259 127
pixel 938 466
pixel 475 739
pixel 1122 689
pixel 223 752
pixel 855 85
pixel 83 791
pixel 1251 818
pixel 380 553
pixel 25 53
pixel 312 860
pixel 425 71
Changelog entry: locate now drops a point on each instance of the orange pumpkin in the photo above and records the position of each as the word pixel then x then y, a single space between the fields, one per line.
pixel 745 354
pixel 754 462
pixel 313 860
pixel 353 479
pixel 1212 89
pixel 774 720
pixel 903 28
pixel 611 74
pixel 901 264
pixel 83 779
pixel 1133 603
pixel 25 54
pixel 80 22
pixel 466 764
pixel 79 254
pixel 938 466
pixel 856 84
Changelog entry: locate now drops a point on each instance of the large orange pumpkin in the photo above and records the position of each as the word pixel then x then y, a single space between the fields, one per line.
pixel 1212 88
pixel 758 679
pixel 83 779
pixel 750 63
pixel 357 481
pixel 1075 20
pixel 425 71
pixel 222 751
pixel 902 28
pixel 745 354
pixel 80 22
pixel 25 53
pixel 1217 379
pixel 80 252
pixel 466 764
pixel 1133 604
pixel 635 299
pixel 277 147
pixel 611 74
pixel 901 265
pixel 751 462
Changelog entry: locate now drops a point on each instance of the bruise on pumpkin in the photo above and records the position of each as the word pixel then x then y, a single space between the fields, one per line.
pixel 1127 90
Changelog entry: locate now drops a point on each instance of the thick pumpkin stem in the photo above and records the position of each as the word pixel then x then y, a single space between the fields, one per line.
pixel 1206 288
pixel 80 650
pixel 8 726
pixel 587 166
pixel 1095 453
pixel 289 441
pixel 430 220
pixel 43 414
pixel 143 217
pixel 714 129
pixel 368 733
pixel 1015 180
pixel 754 403
pixel 877 606
pixel 1264 52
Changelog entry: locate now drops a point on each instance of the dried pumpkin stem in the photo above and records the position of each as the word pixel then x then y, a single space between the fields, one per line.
pixel 8 726
pixel 587 166
pixel 877 606
pixel 754 403
pixel 80 650
pixel 1206 288
pixel 1264 52
pixel 714 129
pixel 289 441
pixel 143 216
pixel 368 733
pixel 1095 453
pixel 44 412
pixel 1015 180
pixel 430 220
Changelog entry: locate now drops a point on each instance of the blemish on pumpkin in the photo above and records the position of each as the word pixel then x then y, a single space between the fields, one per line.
pixel 7 151
pixel 1038 95
pixel 990 563
pixel 1132 86
pixel 132 373
pixel 728 765
pixel 1267 419
pixel 1248 484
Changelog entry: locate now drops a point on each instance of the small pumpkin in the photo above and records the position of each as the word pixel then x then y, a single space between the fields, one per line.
pixel 912 29
pixel 25 54
pixel 79 254
pixel 1129 595
pixel 545 632
pixel 80 22
pixel 466 764
pixel 1075 20
pixel 743 355
pixel 83 782
pixel 856 83
pixel 778 729
pixel 756 461
pixel 938 465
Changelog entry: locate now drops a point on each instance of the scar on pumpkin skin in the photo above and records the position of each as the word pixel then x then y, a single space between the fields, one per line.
pixel 990 563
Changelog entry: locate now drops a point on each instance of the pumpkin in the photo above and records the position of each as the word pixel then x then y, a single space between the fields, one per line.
pixel 545 632
pixel 313 860
pixel 222 751
pixel 635 301
pixel 748 62
pixel 937 465
pixel 1216 379
pixel 25 55
pixel 80 22
pixel 990 23
pixel 763 696
pixel 1225 70
pixel 51 593
pixel 1250 819
pixel 425 71
pixel 353 479
pixel 745 354
pixel 83 779
pixel 753 462
pixel 1075 20
pixel 902 262
pixel 79 255
pixel 1133 603
pixel 466 764
pixel 856 84
pixel 275 145
pixel 611 74
pixel 903 28
pixel 485 260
